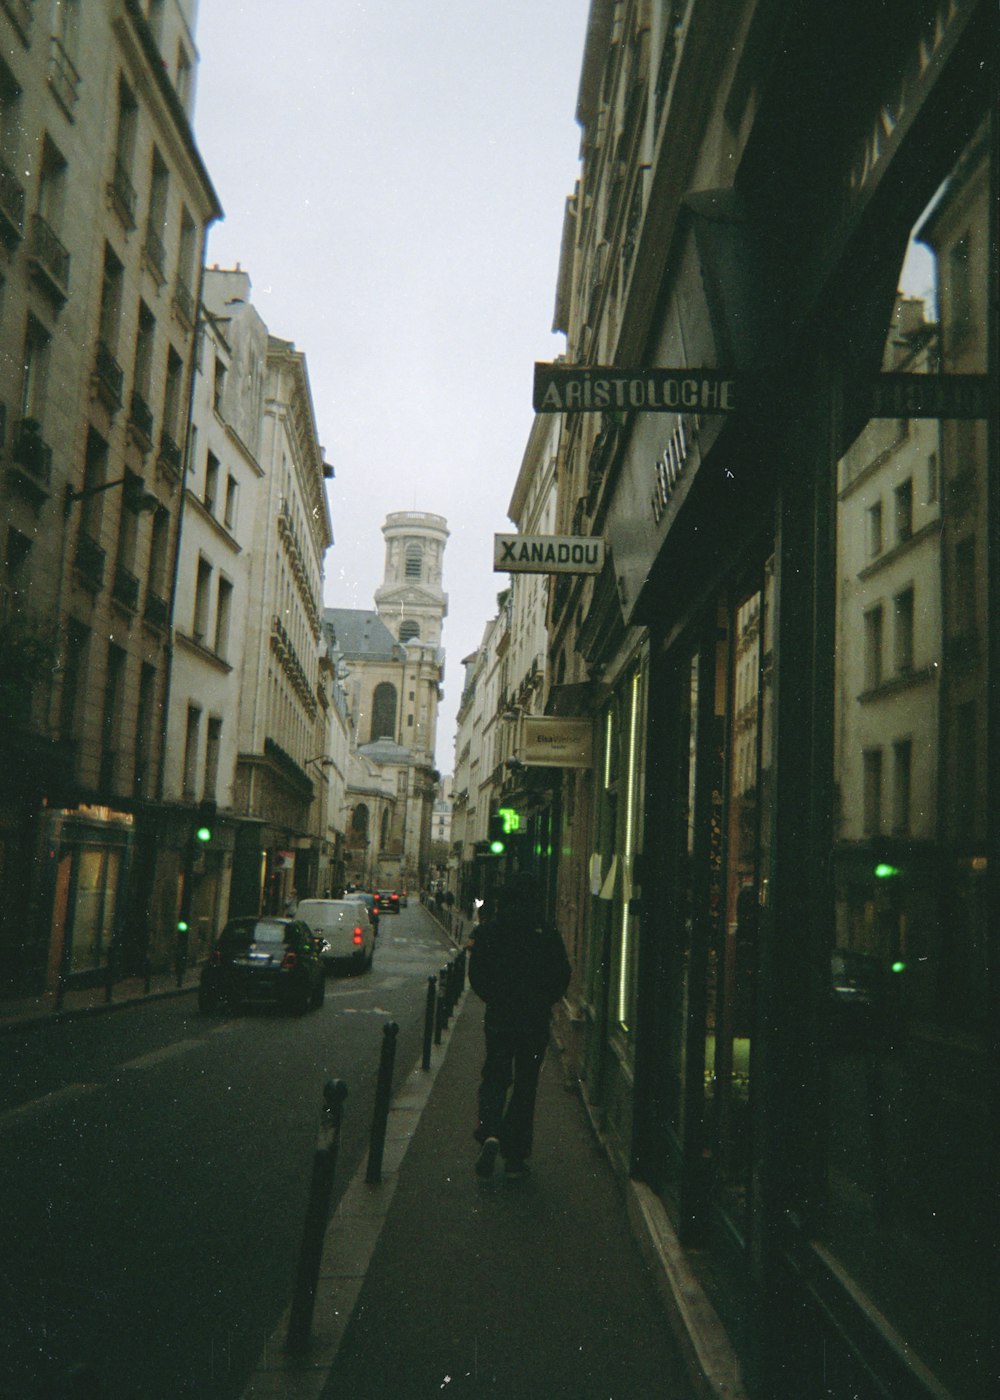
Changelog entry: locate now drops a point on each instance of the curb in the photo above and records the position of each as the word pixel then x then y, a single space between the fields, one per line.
pixel 351 1237
pixel 15 1024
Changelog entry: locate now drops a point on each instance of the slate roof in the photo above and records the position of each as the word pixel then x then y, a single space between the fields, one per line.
pixel 361 633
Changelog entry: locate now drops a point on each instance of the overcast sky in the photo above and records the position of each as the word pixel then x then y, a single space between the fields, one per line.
pixel 394 175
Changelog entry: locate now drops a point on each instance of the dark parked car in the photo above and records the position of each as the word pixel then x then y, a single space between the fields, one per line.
pixel 387 902
pixel 264 959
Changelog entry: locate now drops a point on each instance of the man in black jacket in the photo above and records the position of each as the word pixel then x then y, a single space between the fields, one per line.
pixel 519 968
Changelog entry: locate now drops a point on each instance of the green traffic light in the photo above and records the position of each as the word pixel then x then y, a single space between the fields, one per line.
pixel 204 833
pixel 884 871
pixel 899 967
pixel 182 925
pixel 497 848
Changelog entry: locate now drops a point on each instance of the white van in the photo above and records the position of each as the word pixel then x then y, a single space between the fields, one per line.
pixel 344 925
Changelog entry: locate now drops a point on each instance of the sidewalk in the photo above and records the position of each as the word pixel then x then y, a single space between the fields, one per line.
pixel 528 1290
pixel 22 1013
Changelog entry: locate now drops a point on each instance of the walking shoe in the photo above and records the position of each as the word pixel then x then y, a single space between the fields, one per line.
pixel 487 1156
pixel 515 1168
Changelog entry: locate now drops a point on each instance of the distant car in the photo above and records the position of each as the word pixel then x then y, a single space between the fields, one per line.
pixel 388 901
pixel 264 959
pixel 369 901
pixel 346 930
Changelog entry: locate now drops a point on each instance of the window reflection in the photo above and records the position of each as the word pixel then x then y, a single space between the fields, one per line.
pixel 906 1031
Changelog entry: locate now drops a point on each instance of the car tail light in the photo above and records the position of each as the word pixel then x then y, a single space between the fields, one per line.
pixel 290 959
pixel 359 937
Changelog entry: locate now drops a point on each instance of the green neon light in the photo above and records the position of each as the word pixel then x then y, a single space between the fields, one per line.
pixel 884 871
pixel 182 925
pixel 204 833
pixel 511 819
pixel 497 848
pixel 899 967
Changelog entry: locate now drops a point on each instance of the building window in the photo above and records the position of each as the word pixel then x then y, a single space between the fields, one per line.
pixel 873 648
pixel 218 384
pixel 145 721
pixel 904 511
pixel 202 593
pixel 111 726
pixel 74 670
pixel 232 491
pixel 409 632
pixel 211 482
pixel 190 777
pixel 111 300
pixel 872 762
pixel 154 244
pixel 902 758
pixel 903 638
pixel 223 613
pixel 414 559
pixel 159 541
pixel 34 381
pixel 383 712
pixel 875 543
pixel 213 745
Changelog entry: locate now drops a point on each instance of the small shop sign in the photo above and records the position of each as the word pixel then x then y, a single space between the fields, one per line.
pixel 546 741
pixel 548 554
pixel 600 389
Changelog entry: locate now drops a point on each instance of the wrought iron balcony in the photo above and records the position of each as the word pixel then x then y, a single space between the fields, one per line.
pixel 122 194
pixel 19 13
pixel 170 454
pixel 89 560
pixel 29 450
pixel 140 418
pixel 49 260
pixel 109 377
pixel 64 80
pixel 11 207
pixel 125 589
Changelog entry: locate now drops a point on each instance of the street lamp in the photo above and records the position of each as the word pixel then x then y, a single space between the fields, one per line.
pixel 139 499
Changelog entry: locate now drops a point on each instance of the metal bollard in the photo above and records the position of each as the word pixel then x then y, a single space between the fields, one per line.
pixel 429 1021
pixel 383 1095
pixel 441 1020
pixel 317 1212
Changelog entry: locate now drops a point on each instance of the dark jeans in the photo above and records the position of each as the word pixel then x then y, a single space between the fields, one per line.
pixel 513 1060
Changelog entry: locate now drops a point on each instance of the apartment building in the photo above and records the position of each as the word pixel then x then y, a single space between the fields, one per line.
pixel 104 203
pixel 281 844
pixel 222 483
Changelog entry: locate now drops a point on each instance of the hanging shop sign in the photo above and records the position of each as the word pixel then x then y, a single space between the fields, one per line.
pixel 549 742
pixel 548 554
pixel 599 389
pixel 573 389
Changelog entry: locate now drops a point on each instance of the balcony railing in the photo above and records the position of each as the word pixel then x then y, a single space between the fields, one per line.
pixel 89 560
pixel 19 13
pixel 170 453
pixel 122 193
pixel 109 377
pixel 140 417
pixel 125 589
pixel 184 301
pixel 64 80
pixel 155 610
pixel 30 452
pixel 11 207
pixel 49 259
pixel 156 254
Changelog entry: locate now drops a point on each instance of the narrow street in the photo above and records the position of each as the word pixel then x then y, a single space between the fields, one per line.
pixel 158 1163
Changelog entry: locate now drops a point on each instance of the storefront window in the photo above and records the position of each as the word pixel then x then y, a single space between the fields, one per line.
pixel 744 689
pixel 907 1036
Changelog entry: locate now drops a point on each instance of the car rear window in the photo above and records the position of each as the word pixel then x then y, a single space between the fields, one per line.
pixel 259 931
pixel 326 911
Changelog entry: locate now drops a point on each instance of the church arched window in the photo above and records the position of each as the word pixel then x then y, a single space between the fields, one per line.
pixel 414 561
pixel 383 712
pixel 409 631
pixel 359 821
pixel 385 829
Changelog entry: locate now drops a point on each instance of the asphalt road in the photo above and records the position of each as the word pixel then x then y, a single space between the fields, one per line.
pixel 156 1165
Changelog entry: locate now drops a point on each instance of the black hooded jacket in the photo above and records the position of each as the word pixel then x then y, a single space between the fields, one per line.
pixel 519 969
